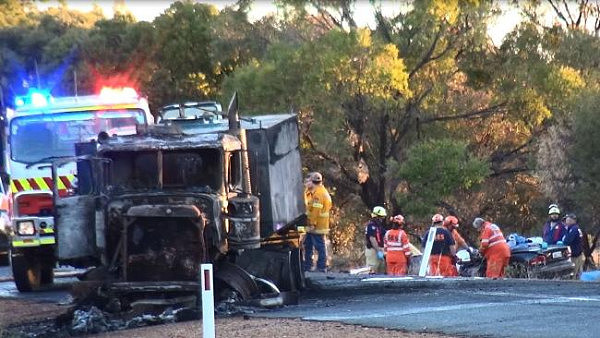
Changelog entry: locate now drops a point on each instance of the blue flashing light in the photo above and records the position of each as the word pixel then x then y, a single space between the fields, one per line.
pixel 35 98
pixel 38 100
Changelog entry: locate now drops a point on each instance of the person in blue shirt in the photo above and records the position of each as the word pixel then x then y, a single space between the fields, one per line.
pixel 574 239
pixel 443 251
pixel 554 229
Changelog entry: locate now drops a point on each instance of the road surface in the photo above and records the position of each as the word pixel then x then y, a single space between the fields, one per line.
pixel 57 293
pixel 456 307
pixel 503 308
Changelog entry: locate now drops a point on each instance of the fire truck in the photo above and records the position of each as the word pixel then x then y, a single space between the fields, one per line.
pixel 42 129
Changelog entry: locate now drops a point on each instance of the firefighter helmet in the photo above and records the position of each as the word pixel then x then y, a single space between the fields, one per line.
pixel 437 218
pixel 554 211
pixel 398 219
pixel 451 221
pixel 379 211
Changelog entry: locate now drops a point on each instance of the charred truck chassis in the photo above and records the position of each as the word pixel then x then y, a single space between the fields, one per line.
pixel 152 207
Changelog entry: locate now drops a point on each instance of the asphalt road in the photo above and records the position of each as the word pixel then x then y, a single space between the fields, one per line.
pixel 509 308
pixel 465 307
pixel 57 293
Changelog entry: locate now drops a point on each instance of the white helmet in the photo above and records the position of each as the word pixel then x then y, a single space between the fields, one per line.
pixel 554 210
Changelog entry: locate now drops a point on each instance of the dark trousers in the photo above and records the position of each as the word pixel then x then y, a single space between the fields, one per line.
pixel 317 242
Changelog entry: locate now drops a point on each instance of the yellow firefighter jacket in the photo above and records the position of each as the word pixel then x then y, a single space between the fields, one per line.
pixel 318 206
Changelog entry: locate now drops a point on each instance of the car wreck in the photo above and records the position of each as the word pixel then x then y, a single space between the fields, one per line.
pixel 151 207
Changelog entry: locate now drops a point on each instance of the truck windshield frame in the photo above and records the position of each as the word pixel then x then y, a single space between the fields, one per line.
pixel 197 169
pixel 37 136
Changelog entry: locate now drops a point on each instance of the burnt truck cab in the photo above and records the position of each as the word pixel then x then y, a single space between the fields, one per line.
pixel 154 206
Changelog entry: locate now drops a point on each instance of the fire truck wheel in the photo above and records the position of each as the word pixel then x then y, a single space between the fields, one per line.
pixel 4 259
pixel 47 276
pixel 26 272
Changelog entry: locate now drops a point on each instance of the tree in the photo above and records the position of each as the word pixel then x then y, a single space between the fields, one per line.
pixel 433 171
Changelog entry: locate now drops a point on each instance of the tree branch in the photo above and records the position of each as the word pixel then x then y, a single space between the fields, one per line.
pixel 427 57
pixel 330 158
pixel 559 13
pixel 474 114
pixel 509 171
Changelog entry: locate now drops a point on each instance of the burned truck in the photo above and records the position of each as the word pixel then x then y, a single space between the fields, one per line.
pixel 151 207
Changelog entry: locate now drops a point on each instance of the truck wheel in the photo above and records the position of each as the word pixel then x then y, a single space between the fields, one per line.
pixel 297 270
pixel 27 273
pixel 47 273
pixel 4 259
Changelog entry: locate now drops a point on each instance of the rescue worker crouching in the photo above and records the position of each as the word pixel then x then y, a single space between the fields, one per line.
pixel 493 247
pixel 443 250
pixel 374 244
pixel 397 248
pixel 318 202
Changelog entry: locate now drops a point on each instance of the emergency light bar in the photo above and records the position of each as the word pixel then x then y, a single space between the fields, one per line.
pixel 109 93
pixel 35 98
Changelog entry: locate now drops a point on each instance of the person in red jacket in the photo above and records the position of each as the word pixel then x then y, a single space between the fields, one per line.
pixel 397 248
pixel 493 247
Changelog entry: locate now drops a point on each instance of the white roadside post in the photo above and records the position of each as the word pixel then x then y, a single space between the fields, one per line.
pixel 208 301
pixel 427 252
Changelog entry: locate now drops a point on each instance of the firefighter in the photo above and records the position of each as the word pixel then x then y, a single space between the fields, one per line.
pixel 443 250
pixel 397 248
pixel 318 207
pixel 374 233
pixel 554 228
pixel 493 247
pixel 451 224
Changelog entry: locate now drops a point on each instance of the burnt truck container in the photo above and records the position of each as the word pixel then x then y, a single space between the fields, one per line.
pixel 154 206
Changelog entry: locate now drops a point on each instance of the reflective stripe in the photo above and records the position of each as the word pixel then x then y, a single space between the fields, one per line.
pixel 317 205
pixel 394 249
pixel 47 240
pixel 47 231
pixel 485 240
pixel 25 184
pixel 324 214
pixel 26 243
pixel 494 236
pixel 497 242
pixel 41 183
pixel 13 187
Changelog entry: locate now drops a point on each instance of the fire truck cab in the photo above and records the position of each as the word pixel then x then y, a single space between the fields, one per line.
pixel 42 129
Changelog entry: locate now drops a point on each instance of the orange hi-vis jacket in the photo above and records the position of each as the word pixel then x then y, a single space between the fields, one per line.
pixel 317 209
pixel 491 235
pixel 396 240
pixel 495 249
pixel 459 240
pixel 397 248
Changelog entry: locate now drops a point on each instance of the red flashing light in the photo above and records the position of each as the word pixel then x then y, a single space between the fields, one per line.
pixel 110 93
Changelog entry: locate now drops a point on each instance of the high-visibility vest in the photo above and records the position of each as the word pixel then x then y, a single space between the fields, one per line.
pixel 396 240
pixel 491 235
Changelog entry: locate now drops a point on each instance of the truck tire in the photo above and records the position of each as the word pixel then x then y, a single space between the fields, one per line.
pixel 4 259
pixel 47 273
pixel 27 272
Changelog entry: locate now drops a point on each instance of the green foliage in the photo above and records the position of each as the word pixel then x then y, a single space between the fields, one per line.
pixel 584 155
pixel 435 169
